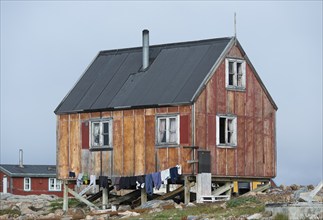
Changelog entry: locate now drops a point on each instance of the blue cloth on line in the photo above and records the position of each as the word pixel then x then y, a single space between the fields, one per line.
pixel 149 184
pixel 157 180
pixel 173 174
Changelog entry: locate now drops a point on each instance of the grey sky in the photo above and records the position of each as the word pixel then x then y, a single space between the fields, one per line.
pixel 46 46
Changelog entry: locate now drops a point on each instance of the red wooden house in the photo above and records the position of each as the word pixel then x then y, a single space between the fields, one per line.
pixel 140 110
pixel 29 180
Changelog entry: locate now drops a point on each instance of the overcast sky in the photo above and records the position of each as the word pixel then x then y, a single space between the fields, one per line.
pixel 46 46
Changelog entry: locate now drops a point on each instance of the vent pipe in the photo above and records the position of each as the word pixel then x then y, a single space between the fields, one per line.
pixel 21 155
pixel 145 49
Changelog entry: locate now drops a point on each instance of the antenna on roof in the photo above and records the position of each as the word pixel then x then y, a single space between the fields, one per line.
pixel 235 27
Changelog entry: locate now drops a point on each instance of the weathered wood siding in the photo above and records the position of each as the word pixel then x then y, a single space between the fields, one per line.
pixel 134 149
pixel 255 154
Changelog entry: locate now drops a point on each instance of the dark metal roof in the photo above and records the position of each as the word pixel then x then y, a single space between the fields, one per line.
pixel 115 80
pixel 29 170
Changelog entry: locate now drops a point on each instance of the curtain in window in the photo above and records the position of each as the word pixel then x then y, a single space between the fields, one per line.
pixel 96 134
pixel 231 135
pixel 172 130
pixel 162 131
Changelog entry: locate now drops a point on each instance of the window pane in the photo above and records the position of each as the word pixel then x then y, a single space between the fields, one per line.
pixel 106 128
pixel 162 131
pixel 106 139
pixel 231 69
pixel 172 130
pixel 239 68
pixel 222 130
pixel 96 134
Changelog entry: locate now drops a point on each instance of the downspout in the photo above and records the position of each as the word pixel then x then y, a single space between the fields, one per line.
pixel 193 134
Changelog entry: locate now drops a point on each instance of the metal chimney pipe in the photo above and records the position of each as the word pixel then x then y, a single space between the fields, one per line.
pixel 145 49
pixel 21 155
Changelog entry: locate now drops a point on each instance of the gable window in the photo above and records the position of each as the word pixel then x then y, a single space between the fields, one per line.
pixel 27 184
pixel 226 127
pixel 167 131
pixel 235 73
pixel 101 134
pixel 54 184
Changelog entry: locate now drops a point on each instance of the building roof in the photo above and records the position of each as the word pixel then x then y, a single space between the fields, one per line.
pixel 28 170
pixel 176 75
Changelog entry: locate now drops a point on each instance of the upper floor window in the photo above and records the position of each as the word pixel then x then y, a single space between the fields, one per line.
pixel 101 134
pixel 54 184
pixel 167 131
pixel 226 127
pixel 27 184
pixel 235 73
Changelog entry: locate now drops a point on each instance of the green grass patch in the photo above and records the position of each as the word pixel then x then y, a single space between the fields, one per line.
pixel 58 204
pixel 242 201
pixel 11 213
pixel 280 216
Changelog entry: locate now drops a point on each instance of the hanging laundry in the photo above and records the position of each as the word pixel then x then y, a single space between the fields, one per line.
pixel 103 182
pixel 179 169
pixel 79 180
pixel 157 180
pixel 116 182
pixel 149 184
pixel 140 182
pixel 165 175
pixel 173 174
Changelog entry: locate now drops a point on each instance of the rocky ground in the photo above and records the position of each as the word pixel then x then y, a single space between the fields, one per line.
pixel 248 206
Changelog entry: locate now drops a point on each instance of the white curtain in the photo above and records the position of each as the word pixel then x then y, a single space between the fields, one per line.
pixel 172 130
pixel 96 134
pixel 162 131
pixel 231 131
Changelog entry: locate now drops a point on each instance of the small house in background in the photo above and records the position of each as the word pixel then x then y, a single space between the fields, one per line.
pixel 199 104
pixel 23 179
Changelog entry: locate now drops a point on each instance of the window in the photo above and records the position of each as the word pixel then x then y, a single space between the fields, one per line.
pixel 54 184
pixel 226 127
pixel 167 130
pixel 101 134
pixel 27 184
pixel 235 74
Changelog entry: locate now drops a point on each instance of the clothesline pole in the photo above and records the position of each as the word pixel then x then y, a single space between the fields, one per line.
pixel 143 196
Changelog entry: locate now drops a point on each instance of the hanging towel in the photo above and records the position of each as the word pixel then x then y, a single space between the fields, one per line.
pixel 149 184
pixel 173 174
pixel 165 175
pixel 179 167
pixel 103 181
pixel 157 180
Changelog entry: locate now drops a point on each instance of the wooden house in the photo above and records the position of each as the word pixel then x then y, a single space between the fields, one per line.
pixel 30 180
pixel 198 104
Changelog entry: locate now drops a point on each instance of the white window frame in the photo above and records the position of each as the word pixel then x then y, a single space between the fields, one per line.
pixel 27 184
pixel 101 123
pixel 235 74
pixel 167 118
pixel 233 142
pixel 56 186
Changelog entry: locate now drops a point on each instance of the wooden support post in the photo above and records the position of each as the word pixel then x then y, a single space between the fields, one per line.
pixel 167 188
pixel 105 198
pixel 65 194
pixel 143 196
pixel 187 189
pixel 77 196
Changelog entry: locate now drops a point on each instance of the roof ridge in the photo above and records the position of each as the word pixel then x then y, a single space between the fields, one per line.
pixel 166 45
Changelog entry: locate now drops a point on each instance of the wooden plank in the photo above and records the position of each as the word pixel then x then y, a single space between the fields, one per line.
pixel 106 163
pixel 139 143
pixel 235 52
pixel 221 158
pixel 231 162
pixel 128 113
pixel 63 145
pixel 185 155
pixel 77 196
pixel 230 102
pixel 75 144
pixel 185 109
pixel 162 110
pixel 150 111
pixel 259 157
pixel 128 146
pixel 200 131
pixel 221 95
pixel 106 114
pixel 211 96
pixel 85 161
pixel 241 150
pixel 200 105
pixel 211 131
pixel 240 103
pixel 173 109
pixel 85 116
pixel 117 146
pixel 267 107
pixel 258 100
pixel 268 157
pixel 249 152
pixel 150 143
pixel 162 159
pixel 95 115
pixel 173 157
pixel 249 107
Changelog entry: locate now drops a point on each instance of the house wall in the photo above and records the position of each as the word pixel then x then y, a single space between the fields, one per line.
pixel 134 150
pixel 39 185
pixel 255 154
